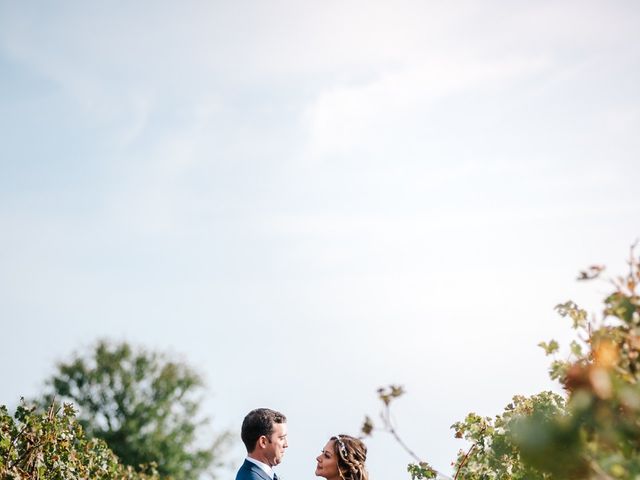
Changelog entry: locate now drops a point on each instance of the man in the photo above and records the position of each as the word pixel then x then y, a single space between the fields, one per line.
pixel 264 433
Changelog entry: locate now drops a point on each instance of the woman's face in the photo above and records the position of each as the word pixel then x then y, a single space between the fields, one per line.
pixel 327 466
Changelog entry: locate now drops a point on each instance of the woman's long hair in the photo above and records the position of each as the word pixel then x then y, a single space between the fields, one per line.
pixel 351 453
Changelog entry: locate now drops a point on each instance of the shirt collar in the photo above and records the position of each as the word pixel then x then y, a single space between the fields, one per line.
pixel 267 469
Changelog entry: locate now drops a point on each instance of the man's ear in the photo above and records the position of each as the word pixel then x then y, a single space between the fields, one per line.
pixel 262 441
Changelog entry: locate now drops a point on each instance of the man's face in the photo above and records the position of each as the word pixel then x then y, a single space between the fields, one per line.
pixel 276 444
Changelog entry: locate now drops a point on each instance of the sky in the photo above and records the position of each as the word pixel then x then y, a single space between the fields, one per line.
pixel 308 200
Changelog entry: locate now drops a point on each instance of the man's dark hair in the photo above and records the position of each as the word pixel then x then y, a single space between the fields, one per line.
pixel 259 422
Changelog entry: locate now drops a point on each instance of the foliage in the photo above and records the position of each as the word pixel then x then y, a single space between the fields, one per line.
pixel 52 445
pixel 593 434
pixel 143 405
pixel 421 470
pixel 493 454
pixel 601 425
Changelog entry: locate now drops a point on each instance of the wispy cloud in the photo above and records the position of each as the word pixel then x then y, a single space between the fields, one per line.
pixel 368 117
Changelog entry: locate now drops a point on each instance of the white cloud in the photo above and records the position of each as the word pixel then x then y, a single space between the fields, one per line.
pixel 368 117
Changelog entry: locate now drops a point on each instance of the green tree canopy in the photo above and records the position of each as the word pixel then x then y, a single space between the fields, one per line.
pixel 144 405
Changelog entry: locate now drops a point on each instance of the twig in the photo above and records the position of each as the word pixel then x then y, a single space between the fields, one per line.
pixel 389 424
pixel 464 460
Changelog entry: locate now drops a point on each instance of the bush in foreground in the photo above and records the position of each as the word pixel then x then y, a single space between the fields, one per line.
pixel 52 446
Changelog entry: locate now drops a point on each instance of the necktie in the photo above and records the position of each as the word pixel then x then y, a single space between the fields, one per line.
pixel 275 477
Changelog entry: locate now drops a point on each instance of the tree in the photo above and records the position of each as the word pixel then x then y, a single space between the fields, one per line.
pixel 592 434
pixel 142 404
pixel 52 445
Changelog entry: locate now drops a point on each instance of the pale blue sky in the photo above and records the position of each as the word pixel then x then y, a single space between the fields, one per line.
pixel 307 200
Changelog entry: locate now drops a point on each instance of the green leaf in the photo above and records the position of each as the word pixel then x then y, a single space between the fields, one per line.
pixel 549 348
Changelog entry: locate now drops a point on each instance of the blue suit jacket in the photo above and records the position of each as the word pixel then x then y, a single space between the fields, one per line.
pixel 250 471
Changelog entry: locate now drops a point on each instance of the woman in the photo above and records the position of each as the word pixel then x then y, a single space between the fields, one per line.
pixel 342 458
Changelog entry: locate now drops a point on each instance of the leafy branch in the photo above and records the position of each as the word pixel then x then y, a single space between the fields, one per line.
pixel 592 432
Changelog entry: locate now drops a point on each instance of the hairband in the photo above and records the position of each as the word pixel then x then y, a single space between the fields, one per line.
pixel 342 447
